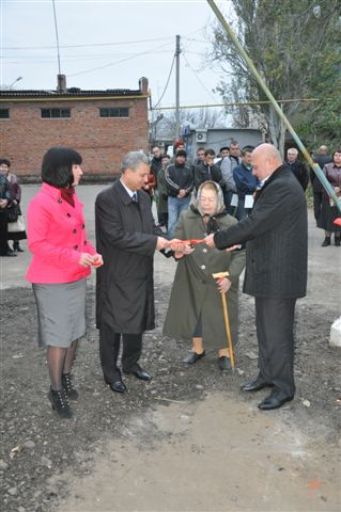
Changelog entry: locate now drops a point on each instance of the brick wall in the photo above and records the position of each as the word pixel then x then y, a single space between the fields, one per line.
pixel 102 141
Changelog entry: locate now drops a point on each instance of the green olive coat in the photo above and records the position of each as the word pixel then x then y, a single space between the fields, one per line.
pixel 162 193
pixel 195 293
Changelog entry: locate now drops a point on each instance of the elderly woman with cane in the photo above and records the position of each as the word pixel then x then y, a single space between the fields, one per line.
pixel 195 310
pixel 62 258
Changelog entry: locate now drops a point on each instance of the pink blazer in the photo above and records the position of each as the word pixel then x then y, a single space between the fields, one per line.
pixel 56 238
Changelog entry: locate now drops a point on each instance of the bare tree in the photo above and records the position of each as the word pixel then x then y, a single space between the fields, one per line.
pixel 202 118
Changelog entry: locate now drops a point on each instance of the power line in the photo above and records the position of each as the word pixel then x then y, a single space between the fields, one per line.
pixel 151 50
pixel 85 57
pixel 84 45
pixel 197 77
pixel 243 103
pixel 117 43
pixel 166 86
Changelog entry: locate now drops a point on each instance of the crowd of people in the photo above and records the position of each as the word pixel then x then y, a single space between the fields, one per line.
pixel 216 215
pixel 231 168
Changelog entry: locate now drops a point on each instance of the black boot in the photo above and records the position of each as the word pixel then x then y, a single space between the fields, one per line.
pixel 337 241
pixel 67 384
pixel 59 403
pixel 326 242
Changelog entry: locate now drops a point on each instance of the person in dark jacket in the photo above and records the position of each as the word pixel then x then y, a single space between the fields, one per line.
pixel 162 193
pixel 297 167
pixel 155 164
pixel 200 154
pixel 206 170
pixel 15 188
pixel 224 152
pixel 246 182
pixel 127 238
pixel 5 200
pixel 321 158
pixel 276 269
pixel 179 179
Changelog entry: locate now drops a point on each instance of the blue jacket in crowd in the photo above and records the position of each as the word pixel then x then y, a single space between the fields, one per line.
pixel 246 182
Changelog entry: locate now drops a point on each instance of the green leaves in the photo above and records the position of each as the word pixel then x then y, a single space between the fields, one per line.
pixel 296 48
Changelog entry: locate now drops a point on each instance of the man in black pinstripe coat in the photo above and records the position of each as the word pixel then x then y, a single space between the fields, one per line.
pixel 276 269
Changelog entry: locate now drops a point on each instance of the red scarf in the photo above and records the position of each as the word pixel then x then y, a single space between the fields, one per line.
pixel 67 194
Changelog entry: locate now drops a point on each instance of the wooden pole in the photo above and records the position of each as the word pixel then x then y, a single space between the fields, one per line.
pixel 221 275
pixel 227 328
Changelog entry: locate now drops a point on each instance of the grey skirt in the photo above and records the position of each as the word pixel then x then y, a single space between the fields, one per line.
pixel 61 312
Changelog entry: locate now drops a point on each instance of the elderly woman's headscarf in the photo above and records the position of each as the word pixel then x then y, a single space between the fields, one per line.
pixel 212 225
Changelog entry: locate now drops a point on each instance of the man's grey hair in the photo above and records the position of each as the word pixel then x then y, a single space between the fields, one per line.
pixel 133 160
pixel 293 151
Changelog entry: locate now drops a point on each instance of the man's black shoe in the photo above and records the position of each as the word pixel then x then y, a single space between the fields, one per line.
pixel 274 401
pixel 116 384
pixel 193 357
pixel 255 385
pixel 9 254
pixel 139 373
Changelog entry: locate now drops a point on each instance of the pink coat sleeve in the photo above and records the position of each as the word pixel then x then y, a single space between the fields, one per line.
pixel 90 248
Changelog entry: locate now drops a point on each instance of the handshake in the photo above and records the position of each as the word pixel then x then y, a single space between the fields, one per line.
pixel 180 247
pixel 184 247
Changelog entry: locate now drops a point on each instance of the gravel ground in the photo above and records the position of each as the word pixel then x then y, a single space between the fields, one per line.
pixel 37 448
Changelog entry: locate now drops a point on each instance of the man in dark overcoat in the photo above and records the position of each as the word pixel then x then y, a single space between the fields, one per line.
pixel 276 269
pixel 126 235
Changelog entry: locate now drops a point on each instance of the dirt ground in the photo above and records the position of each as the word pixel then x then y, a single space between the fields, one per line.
pixel 188 441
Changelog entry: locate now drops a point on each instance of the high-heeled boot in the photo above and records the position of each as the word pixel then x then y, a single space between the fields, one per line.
pixel 67 384
pixel 59 403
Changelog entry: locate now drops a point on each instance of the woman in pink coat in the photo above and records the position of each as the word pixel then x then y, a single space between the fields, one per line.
pixel 62 258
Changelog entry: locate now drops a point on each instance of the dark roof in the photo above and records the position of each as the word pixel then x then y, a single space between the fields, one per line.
pixel 72 92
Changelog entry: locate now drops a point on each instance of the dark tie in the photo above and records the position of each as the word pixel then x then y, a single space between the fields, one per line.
pixel 134 197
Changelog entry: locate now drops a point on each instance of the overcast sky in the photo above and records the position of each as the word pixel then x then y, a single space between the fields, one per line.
pixel 113 42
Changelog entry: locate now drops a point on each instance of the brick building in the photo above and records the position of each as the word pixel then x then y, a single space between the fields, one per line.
pixel 101 125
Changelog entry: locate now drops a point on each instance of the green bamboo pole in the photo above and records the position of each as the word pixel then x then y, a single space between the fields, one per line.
pixel 317 170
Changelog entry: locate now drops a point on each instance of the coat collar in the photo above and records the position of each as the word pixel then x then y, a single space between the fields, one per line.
pixel 55 193
pixel 124 194
pixel 51 191
pixel 275 175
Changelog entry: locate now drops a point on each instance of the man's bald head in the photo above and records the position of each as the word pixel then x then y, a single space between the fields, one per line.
pixel 323 150
pixel 265 160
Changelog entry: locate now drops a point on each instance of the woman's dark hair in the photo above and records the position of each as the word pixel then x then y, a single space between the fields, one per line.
pixel 57 165
pixel 5 161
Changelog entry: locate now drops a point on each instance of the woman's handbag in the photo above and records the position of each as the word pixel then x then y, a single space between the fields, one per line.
pixel 18 226
pixel 12 213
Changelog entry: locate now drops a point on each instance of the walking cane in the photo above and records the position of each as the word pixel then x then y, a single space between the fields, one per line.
pixel 220 275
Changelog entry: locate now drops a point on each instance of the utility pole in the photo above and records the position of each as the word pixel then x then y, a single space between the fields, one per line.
pixel 177 87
